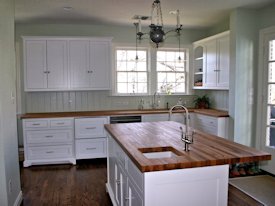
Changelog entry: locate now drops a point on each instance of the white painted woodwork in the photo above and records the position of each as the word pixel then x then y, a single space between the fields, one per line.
pixel 57 64
pixel 35 64
pixel 213 125
pixel 48 141
pixel 223 62
pixel 100 64
pixel 211 64
pixel 90 148
pixel 67 63
pixel 90 137
pixel 79 63
pixel 193 186
pixel 215 66
pixel 90 127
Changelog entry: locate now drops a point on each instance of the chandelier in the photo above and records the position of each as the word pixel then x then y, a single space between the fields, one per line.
pixel 156 33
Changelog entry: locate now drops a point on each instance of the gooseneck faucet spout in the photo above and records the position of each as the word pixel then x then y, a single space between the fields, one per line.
pixel 184 136
pixel 186 116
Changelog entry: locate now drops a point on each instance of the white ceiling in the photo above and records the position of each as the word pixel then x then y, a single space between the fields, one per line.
pixel 194 13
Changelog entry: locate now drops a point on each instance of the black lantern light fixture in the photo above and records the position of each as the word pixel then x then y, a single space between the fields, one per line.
pixel 156 33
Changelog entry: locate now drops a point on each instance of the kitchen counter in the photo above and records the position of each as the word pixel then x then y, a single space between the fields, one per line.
pixel 210 112
pixel 207 150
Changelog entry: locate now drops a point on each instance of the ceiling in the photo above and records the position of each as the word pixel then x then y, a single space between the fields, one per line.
pixel 194 13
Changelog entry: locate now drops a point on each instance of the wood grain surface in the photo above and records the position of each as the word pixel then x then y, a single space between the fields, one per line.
pixel 210 112
pixel 207 150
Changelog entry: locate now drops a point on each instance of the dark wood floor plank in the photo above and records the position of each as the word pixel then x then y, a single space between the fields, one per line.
pixel 83 185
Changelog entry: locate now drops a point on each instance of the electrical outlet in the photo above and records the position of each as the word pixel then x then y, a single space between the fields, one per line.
pixel 10 186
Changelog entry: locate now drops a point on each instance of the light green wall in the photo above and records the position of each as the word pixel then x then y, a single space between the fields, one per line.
pixel 9 164
pixel 122 35
pixel 223 25
pixel 267 17
pixel 244 28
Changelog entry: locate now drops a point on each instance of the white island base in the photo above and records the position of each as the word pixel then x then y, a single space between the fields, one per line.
pixel 198 186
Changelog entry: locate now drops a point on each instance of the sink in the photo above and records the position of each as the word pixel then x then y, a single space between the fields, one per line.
pixel 159 152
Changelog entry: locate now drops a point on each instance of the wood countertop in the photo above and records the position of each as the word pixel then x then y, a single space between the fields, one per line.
pixel 207 150
pixel 210 112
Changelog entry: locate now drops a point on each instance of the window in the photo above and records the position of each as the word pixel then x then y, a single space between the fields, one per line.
pixel 131 73
pixel 270 141
pixel 171 72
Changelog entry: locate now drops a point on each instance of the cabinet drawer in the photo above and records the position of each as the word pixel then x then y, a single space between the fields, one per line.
pixel 206 120
pixel 32 124
pixel 90 127
pixel 49 136
pixel 120 156
pixel 59 123
pixel 50 152
pixel 90 148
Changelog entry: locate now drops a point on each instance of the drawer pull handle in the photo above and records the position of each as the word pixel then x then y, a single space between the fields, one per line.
pixel 49 136
pixel 127 198
pixel 50 152
pixel 90 148
pixel 90 127
pixel 35 124
pixel 118 181
pixel 60 123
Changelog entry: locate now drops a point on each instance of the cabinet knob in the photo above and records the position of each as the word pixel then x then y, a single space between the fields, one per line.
pixel 118 181
pixel 90 71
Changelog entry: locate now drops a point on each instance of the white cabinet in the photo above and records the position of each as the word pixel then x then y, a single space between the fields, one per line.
pixel 45 64
pixel 48 141
pixel 127 185
pixel 211 62
pixel 90 64
pixel 66 63
pixel 90 137
pixel 125 181
pixel 213 125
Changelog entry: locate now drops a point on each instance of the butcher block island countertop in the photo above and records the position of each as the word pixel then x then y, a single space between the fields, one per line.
pixel 207 150
pixel 210 112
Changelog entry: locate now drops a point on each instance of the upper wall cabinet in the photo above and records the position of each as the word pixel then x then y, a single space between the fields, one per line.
pixel 63 63
pixel 211 62
pixel 89 63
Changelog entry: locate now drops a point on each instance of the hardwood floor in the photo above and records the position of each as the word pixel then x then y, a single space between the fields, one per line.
pixel 83 184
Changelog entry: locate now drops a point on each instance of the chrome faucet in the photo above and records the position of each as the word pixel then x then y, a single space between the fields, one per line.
pixel 184 136
pixel 155 102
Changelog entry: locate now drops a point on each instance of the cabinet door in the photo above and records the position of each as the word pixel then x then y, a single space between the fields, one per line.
pixel 79 64
pixel 35 64
pixel 133 196
pixel 57 64
pixel 223 62
pixel 211 64
pixel 100 64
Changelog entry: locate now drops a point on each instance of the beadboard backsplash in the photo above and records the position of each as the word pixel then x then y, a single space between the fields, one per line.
pixel 91 101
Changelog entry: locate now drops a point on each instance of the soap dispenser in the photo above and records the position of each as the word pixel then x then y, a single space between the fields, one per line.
pixel 179 101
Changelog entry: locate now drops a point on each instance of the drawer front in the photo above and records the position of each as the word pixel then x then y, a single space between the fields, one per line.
pixel 90 127
pixel 206 120
pixel 33 124
pixel 61 123
pixel 49 136
pixel 90 148
pixel 120 156
pixel 50 152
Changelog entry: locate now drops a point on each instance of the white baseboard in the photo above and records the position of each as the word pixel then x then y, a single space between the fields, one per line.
pixel 18 199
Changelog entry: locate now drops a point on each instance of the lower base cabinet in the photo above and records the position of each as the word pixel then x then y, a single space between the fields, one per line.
pixel 48 141
pixel 90 148
pixel 127 186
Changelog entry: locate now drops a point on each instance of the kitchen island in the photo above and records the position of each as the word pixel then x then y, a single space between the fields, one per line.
pixel 148 166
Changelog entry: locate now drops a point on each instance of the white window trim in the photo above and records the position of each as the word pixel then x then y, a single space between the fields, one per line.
pixel 114 76
pixel 262 88
pixel 187 69
pixel 152 73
